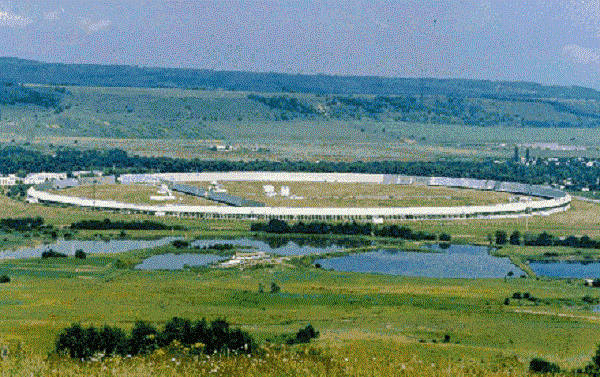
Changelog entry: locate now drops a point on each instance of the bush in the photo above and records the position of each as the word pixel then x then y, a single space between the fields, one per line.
pixel 445 237
pixel 143 338
pixel 52 254
pixel 80 254
pixel 275 288
pixel 81 343
pixel 538 365
pixel 304 335
pixel 4 279
pixel 180 244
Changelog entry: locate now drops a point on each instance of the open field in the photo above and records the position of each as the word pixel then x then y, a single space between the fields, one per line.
pixel 350 310
pixel 138 194
pixel 326 194
pixel 398 320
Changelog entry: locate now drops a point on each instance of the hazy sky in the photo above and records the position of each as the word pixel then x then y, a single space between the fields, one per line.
pixel 545 41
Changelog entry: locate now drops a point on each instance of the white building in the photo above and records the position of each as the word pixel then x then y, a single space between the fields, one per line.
pixel 39 178
pixel 9 181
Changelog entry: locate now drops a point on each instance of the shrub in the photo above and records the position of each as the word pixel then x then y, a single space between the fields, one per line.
pixel 445 237
pixel 180 244
pixel 143 338
pixel 538 365
pixel 80 254
pixel 304 335
pixel 4 279
pixel 52 254
pixel 275 288
pixel 81 343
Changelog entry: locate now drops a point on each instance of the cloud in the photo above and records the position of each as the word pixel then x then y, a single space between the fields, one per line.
pixel 54 15
pixel 13 20
pixel 582 55
pixel 94 26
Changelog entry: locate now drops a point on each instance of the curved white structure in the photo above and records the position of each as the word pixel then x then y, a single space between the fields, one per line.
pixel 554 200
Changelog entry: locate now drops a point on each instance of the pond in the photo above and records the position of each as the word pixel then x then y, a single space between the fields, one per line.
pixel 456 261
pixel 178 261
pixel 276 245
pixel 89 247
pixel 567 269
pixel 285 246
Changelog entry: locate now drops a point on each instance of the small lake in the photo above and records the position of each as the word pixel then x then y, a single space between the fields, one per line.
pixel 178 261
pixel 282 246
pixel 456 261
pixel 89 247
pixel 276 245
pixel 564 269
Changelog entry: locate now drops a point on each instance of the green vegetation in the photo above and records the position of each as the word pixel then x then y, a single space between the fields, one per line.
pixel 365 229
pixel 216 337
pixel 107 224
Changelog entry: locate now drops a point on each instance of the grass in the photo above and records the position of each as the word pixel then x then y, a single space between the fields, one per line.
pixel 138 194
pixel 325 194
pixel 386 311
pixel 185 123
pixel 356 359
pixel 404 319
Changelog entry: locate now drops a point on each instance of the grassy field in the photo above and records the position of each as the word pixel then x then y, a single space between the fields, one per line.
pixel 397 320
pixel 353 312
pixel 138 194
pixel 324 194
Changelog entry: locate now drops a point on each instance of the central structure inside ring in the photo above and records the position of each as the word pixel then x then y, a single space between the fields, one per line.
pixel 551 200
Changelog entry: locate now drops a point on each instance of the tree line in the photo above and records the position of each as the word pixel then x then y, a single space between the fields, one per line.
pixel 277 226
pixel 216 337
pixel 544 239
pixel 107 224
pixel 17 159
pixel 22 224
pixel 144 338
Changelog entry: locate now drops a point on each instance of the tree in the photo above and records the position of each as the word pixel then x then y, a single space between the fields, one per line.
pixel 500 237
pixel 80 254
pixel 275 288
pixel 4 279
pixel 277 226
pixel 538 365
pixel 515 238
pixel 113 340
pixel 143 338
pixel 445 237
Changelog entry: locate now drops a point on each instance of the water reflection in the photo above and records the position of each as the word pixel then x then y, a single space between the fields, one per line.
pixel 178 261
pixel 456 261
pixel 286 245
pixel 89 247
pixel 567 269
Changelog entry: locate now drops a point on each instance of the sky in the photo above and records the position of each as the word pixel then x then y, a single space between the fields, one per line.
pixel 553 42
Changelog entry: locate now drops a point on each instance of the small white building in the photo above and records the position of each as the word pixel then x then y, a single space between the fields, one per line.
pixel 39 178
pixel 285 190
pixel 9 180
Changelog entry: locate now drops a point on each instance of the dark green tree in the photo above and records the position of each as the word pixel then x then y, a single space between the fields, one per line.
pixel 500 237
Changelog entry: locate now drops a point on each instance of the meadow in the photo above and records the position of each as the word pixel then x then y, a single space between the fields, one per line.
pixel 426 326
pixel 187 123
pixel 445 322
pixel 325 194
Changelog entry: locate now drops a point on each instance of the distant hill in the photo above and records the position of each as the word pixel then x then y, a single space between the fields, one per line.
pixel 123 102
pixel 29 71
